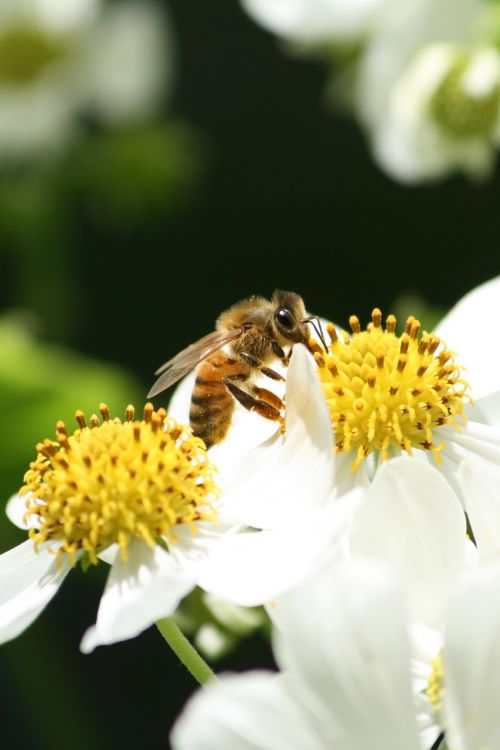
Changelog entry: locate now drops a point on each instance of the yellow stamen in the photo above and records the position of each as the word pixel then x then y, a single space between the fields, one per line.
pixel 387 392
pixel 116 481
pixel 435 683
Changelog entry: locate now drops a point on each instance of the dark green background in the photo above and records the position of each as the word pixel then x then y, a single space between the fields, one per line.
pixel 286 195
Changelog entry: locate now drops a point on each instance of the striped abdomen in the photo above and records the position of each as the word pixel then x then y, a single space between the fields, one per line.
pixel 212 405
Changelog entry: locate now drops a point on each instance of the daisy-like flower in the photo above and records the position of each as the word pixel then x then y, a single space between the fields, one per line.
pixel 429 100
pixel 133 492
pixel 344 653
pixel 59 59
pixel 443 114
pixel 455 668
pixel 142 496
pixel 357 674
pixel 389 416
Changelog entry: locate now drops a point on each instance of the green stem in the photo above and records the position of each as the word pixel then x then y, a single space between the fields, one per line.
pixel 185 651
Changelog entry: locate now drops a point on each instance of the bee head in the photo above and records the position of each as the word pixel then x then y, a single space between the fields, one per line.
pixel 289 317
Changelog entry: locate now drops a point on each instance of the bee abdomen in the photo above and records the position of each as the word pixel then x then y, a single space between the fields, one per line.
pixel 212 405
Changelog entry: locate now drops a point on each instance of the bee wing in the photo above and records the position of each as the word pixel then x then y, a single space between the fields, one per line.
pixel 174 369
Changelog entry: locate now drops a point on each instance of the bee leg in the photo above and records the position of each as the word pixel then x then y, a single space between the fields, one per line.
pixel 278 350
pixel 286 357
pixel 251 403
pixel 257 365
pixel 269 397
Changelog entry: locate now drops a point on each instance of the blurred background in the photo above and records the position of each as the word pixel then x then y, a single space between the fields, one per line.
pixel 174 161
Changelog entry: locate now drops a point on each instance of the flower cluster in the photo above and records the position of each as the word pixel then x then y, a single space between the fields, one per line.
pixel 59 60
pixel 369 526
pixel 422 77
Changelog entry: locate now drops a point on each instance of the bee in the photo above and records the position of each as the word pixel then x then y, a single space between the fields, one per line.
pixel 247 338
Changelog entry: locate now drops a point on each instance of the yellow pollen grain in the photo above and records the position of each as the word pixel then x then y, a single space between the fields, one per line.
pixel 117 481
pixel 387 392
pixel 435 683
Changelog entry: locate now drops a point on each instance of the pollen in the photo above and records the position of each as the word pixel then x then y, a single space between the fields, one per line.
pixel 113 481
pixel 389 393
pixel 435 683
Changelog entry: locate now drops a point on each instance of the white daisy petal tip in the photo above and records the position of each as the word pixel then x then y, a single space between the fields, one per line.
pixel 28 581
pixel 15 511
pixel 138 593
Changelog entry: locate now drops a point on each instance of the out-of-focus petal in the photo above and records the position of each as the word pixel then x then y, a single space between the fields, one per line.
pixel 472 663
pixel 248 712
pixel 343 635
pixel 413 521
pixel 480 484
pixel 316 20
pixel 130 61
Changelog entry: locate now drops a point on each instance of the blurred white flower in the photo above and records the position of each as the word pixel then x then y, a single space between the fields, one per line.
pixel 60 59
pixel 344 653
pixel 455 668
pixel 412 97
pixel 358 673
pixel 423 81
pixel 443 114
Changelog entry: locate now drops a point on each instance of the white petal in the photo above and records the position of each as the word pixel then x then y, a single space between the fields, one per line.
pixel 413 521
pixel 28 581
pixel 16 510
pixel 248 712
pixel 247 430
pixel 343 636
pixel 63 17
pixel 252 568
pixel 472 664
pixel 480 439
pixel 467 331
pixel 487 409
pixel 289 474
pixel 147 587
pixel 316 20
pixel 108 555
pixel 130 61
pixel 179 404
pixel 480 483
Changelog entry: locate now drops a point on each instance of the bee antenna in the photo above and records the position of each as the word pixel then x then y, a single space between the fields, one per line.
pixel 314 321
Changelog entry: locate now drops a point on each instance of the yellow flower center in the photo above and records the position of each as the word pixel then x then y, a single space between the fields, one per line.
pixel 115 481
pixel 387 392
pixel 435 683
pixel 25 53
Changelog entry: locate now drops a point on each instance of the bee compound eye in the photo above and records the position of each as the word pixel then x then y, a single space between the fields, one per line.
pixel 285 318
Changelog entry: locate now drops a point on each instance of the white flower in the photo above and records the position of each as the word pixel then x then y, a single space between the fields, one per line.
pixel 141 496
pixel 59 59
pixel 428 91
pixel 317 20
pixel 353 678
pixel 393 407
pixel 110 491
pixel 344 653
pixel 443 114
pixel 455 668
